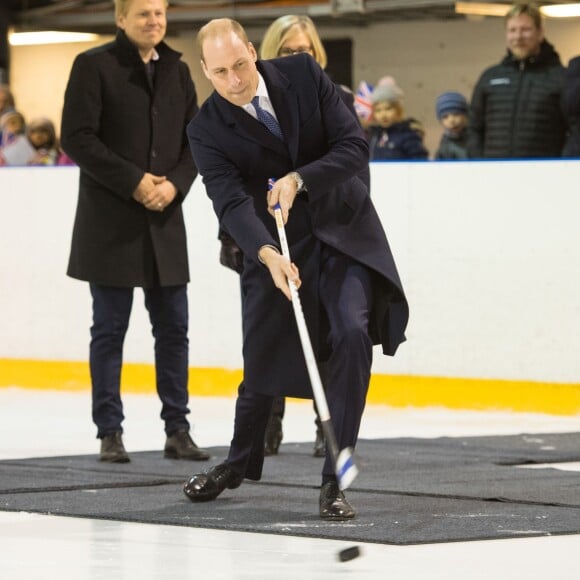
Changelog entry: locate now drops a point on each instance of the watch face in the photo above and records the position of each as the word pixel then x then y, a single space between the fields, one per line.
pixel 298 179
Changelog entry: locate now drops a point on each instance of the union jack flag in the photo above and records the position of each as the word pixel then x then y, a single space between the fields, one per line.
pixel 362 101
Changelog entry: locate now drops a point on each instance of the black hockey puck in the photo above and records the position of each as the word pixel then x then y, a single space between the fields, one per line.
pixel 349 554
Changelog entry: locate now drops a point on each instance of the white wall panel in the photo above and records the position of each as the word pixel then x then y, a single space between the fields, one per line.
pixel 489 254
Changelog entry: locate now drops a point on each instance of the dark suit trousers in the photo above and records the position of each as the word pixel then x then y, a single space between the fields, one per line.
pixel 168 313
pixel 346 296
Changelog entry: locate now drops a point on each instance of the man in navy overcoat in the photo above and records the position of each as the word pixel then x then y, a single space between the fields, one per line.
pixel 350 289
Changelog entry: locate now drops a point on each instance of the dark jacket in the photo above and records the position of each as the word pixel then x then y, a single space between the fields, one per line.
pixel 571 107
pixel 348 99
pixel 236 155
pixel 403 140
pixel 116 126
pixel 515 108
pixel 452 146
pixel 230 255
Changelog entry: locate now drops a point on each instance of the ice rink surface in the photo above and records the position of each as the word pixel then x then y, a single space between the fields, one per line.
pixel 42 423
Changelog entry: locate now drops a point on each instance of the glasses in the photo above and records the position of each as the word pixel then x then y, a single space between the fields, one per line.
pixel 285 51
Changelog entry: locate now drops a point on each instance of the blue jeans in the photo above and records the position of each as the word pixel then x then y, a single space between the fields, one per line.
pixel 168 313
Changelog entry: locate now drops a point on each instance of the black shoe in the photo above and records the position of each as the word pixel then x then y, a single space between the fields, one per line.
pixel 319 444
pixel 273 436
pixel 333 504
pixel 113 450
pixel 180 445
pixel 207 486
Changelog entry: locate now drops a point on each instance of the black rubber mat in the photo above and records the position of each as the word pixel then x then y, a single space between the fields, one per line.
pixel 409 491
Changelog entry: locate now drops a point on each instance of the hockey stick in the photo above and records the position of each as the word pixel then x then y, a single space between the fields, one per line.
pixel 344 466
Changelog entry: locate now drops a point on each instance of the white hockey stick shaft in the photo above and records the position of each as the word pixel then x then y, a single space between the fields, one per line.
pixel 344 466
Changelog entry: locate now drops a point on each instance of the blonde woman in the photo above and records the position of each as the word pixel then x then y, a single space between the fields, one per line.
pixel 293 34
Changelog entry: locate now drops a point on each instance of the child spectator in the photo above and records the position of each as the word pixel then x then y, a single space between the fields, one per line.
pixel 391 135
pixel 12 124
pixel 451 110
pixel 16 149
pixel 42 135
pixel 6 103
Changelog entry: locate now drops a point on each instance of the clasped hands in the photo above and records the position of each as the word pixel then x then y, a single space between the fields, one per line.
pixel 281 269
pixel 155 192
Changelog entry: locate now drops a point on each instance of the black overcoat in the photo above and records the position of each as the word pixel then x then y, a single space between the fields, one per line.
pixel 236 155
pixel 116 125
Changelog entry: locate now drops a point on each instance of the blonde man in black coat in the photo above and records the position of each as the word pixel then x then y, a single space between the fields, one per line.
pixel 126 108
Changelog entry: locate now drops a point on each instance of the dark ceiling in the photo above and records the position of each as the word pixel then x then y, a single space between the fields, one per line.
pixel 97 15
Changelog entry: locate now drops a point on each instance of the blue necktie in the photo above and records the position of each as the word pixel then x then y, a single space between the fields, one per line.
pixel 268 120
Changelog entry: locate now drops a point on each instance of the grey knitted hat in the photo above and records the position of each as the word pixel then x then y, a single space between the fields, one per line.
pixel 388 91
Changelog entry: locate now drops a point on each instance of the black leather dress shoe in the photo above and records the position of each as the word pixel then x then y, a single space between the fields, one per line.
pixel 180 445
pixel 207 486
pixel 113 450
pixel 333 504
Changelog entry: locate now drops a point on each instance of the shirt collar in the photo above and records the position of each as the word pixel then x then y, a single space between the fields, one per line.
pixel 261 92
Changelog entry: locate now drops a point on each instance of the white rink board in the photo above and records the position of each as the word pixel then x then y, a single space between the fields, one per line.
pixel 489 254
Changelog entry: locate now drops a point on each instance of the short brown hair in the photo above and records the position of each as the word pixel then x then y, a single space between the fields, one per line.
pixel 219 26
pixel 528 8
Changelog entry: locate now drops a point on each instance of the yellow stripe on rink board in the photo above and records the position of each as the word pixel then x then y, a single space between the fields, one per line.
pixel 393 390
pixel 135 378
pixel 479 394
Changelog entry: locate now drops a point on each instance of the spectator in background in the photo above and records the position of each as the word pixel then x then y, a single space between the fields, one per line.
pixel 451 110
pixel 16 149
pixel 571 107
pixel 294 34
pixel 6 100
pixel 12 124
pixel 42 136
pixel 126 107
pixel 6 103
pixel 515 108
pixel 391 135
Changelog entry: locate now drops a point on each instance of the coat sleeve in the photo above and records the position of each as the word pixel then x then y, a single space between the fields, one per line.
pixel 83 105
pixel 226 187
pixel 348 99
pixel 346 150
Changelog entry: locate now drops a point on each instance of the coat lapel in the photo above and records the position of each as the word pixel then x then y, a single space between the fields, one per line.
pixel 246 127
pixel 285 103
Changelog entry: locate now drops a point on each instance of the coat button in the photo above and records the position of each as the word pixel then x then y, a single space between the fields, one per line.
pixel 153 153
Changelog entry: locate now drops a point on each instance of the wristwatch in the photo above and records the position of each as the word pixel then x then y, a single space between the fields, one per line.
pixel 299 181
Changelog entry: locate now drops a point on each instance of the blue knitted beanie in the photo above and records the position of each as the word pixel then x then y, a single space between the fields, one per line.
pixel 450 102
